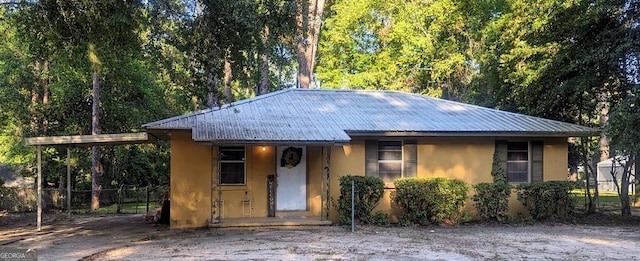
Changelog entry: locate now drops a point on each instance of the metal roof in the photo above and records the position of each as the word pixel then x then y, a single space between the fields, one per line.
pixel 334 116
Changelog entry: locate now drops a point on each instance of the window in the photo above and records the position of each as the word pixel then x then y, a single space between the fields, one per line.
pixel 231 166
pixel 390 160
pixel 518 162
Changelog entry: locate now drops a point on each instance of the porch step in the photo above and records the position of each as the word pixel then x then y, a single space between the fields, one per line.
pixel 269 222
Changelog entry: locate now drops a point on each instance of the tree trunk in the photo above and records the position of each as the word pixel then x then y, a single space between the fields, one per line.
pixel 604 118
pixel 228 95
pixel 212 86
pixel 308 23
pixel 264 67
pixel 95 153
pixel 35 97
pixel 637 176
pixel 625 200
pixel 45 98
pixel 588 172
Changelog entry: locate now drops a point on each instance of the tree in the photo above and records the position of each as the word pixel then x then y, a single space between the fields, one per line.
pixel 402 45
pixel 308 23
pixel 277 19
pixel 624 131
pixel 68 46
pixel 560 60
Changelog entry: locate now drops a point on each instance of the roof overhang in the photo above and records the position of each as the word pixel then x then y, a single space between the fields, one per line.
pixel 90 140
pixel 470 134
pixel 277 142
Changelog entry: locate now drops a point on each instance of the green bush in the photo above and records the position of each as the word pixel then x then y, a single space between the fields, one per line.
pixel 380 218
pixel 492 200
pixel 548 200
pixel 430 201
pixel 368 192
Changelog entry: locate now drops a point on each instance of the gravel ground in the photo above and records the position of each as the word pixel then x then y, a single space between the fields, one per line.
pixel 129 237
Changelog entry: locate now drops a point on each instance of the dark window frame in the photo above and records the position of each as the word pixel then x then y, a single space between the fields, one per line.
pixel 239 159
pixel 515 148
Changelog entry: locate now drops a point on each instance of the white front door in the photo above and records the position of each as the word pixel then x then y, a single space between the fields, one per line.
pixel 291 193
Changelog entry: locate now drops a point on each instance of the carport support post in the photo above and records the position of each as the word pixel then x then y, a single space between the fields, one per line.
pixel 39 219
pixel 353 206
pixel 69 182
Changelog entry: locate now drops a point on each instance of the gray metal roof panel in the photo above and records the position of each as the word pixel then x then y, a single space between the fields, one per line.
pixel 310 115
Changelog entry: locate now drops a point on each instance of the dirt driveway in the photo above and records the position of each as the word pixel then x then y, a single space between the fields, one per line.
pixel 131 238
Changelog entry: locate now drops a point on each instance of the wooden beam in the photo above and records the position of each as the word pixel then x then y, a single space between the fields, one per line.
pixel 89 140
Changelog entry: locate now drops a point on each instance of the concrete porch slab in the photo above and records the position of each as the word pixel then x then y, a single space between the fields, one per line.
pixel 270 222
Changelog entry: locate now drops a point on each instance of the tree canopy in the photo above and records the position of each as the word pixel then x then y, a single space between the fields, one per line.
pixel 575 61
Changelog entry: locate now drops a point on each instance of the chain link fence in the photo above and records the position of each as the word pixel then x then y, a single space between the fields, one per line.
pixel 128 199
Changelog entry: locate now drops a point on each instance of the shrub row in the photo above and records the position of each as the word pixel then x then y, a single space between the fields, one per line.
pixel 430 201
pixel 425 201
pixel 421 201
pixel 548 200
pixel 543 200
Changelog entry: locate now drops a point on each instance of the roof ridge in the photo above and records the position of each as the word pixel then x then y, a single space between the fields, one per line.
pixel 216 108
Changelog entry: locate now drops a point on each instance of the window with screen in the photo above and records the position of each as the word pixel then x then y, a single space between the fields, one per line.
pixel 518 162
pixel 232 168
pixel 390 160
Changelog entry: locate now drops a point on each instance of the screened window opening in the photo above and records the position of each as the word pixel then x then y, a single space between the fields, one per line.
pixel 390 160
pixel 518 162
pixel 232 166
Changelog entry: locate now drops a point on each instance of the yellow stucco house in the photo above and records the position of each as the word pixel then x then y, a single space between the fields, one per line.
pixel 279 156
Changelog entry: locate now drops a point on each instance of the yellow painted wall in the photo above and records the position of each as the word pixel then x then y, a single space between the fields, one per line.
pixel 314 182
pixel 555 159
pixel 190 182
pixel 259 163
pixel 345 160
pixel 468 159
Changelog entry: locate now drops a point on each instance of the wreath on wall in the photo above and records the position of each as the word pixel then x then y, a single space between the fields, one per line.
pixel 291 157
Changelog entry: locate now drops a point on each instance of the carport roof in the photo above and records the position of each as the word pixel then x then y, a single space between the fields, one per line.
pixel 89 140
pixel 334 116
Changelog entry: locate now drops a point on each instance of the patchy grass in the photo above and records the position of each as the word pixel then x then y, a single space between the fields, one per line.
pixel 128 208
pixel 605 198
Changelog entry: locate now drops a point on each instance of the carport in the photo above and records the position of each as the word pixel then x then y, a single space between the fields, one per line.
pixel 78 141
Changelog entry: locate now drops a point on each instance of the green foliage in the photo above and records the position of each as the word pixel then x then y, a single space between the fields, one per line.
pixel 424 201
pixel 368 192
pixel 380 218
pixel 399 45
pixel 45 85
pixel 624 136
pixel 492 199
pixel 549 199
